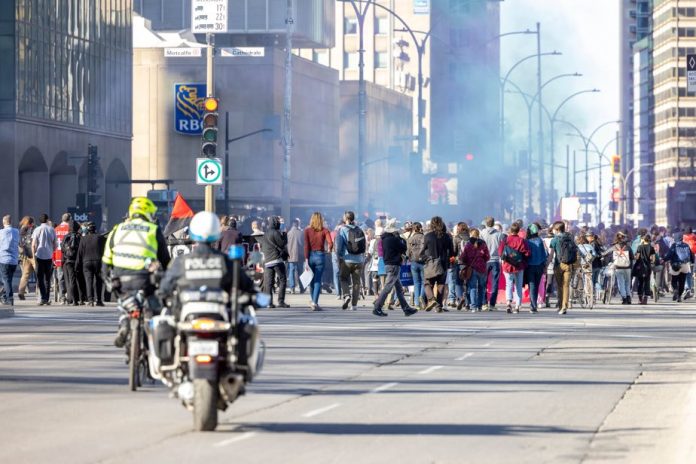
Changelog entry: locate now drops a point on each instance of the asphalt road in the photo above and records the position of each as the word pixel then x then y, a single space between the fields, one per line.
pixel 615 384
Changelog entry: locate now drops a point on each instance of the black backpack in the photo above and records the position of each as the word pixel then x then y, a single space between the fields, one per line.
pixel 356 243
pixel 69 246
pixel 568 250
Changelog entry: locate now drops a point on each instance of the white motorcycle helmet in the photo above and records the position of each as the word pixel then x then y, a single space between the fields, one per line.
pixel 204 227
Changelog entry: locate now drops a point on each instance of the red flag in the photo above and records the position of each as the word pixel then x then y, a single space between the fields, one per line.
pixel 181 216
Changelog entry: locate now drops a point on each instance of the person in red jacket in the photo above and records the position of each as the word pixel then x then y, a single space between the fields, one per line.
pixel 514 253
pixel 475 255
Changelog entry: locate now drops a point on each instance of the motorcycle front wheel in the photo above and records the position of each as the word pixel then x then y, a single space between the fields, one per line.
pixel 205 401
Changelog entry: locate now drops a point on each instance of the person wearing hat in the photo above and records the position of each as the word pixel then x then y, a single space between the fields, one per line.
pixel 622 258
pixel 536 265
pixel 393 248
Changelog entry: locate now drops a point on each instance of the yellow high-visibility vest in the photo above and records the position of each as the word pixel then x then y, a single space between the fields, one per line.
pixel 131 245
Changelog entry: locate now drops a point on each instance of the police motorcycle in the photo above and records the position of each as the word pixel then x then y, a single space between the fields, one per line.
pixel 205 344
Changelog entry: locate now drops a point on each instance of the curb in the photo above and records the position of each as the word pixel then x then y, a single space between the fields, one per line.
pixel 6 312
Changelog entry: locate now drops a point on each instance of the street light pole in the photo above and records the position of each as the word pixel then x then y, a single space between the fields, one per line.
pixel 210 90
pixel 287 116
pixel 542 184
pixel 624 179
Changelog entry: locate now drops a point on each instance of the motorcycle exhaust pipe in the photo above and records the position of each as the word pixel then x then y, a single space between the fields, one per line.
pixel 231 385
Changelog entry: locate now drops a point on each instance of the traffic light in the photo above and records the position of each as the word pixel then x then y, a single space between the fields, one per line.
pixel 92 175
pixel 210 127
pixel 616 165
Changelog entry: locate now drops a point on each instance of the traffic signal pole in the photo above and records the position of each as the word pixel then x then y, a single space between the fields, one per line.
pixel 210 51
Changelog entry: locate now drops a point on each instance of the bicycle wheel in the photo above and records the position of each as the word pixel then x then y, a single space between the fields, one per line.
pixel 134 362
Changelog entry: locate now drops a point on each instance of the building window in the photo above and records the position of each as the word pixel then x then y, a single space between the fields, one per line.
pixel 381 25
pixel 350 26
pixel 350 60
pixel 381 60
pixel 321 57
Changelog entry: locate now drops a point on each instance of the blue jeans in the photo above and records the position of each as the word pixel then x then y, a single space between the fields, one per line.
pixel 336 268
pixel 316 264
pixel 456 290
pixel 6 274
pixel 295 268
pixel 623 281
pixel 477 290
pixel 514 280
pixel 535 272
pixel 493 271
pixel 418 282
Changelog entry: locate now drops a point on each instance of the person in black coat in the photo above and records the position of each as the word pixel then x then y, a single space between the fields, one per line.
pixel 438 247
pixel 393 248
pixel 89 255
pixel 275 252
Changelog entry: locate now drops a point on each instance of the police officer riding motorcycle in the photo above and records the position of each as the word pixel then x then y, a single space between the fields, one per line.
pixel 205 344
pixel 132 252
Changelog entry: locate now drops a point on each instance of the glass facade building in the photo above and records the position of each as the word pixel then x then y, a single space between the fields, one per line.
pixel 70 55
pixel 643 193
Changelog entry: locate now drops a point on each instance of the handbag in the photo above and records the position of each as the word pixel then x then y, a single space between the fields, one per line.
pixel 433 268
pixel 465 273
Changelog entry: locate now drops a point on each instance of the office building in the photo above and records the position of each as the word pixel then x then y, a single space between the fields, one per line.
pixel 65 83
pixel 674 37
pixel 642 182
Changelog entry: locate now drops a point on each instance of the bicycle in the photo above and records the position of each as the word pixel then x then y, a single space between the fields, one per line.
pixel 655 282
pixel 136 343
pixel 609 280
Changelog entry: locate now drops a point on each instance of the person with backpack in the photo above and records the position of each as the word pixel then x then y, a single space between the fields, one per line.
pixel 415 246
pixel 69 248
pixel 622 260
pixel 565 256
pixel 351 245
pixel 492 236
pixel 536 265
pixel 514 254
pixel 642 269
pixel 680 258
pixel 393 247
pixel 473 260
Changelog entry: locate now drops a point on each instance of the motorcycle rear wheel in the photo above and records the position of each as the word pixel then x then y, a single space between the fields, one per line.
pixel 205 401
pixel 134 364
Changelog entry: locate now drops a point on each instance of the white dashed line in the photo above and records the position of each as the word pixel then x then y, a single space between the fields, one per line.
pixel 462 358
pixel 229 441
pixel 386 386
pixel 316 412
pixel 430 369
pixel 487 344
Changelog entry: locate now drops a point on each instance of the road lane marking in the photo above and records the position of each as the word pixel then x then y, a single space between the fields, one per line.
pixel 319 411
pixel 430 369
pixel 386 386
pixel 229 441
pixel 487 344
pixel 462 358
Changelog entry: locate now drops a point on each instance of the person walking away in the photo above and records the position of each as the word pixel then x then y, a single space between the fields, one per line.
pixel 89 255
pixel 62 230
pixel 536 265
pixel 622 259
pixel 438 251
pixel 295 256
pixel 514 254
pixel 475 256
pixel 680 258
pixel 456 287
pixel 597 262
pixel 642 269
pixel 550 278
pixel 26 255
pixel 317 238
pixel 43 243
pixel 69 248
pixel 351 245
pixel 9 257
pixel 229 235
pixel 415 247
pixel 565 253
pixel 492 236
pixel 274 249
pixel 393 248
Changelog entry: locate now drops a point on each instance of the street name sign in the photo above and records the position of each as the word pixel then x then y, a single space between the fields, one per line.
pixel 208 171
pixel 691 73
pixel 243 51
pixel 208 16
pixel 182 52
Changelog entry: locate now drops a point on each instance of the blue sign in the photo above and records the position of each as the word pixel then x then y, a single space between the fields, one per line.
pixel 188 108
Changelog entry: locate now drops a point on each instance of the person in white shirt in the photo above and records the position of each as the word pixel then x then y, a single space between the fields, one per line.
pixel 43 244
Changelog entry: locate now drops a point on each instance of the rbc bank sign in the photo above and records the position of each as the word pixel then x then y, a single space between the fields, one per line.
pixel 188 108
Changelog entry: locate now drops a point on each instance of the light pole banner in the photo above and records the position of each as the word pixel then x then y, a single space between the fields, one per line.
pixel 421 6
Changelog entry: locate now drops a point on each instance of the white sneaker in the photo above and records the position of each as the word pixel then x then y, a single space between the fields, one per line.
pixel 354 308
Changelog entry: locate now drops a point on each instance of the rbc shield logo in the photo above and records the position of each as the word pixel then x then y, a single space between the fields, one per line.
pixel 189 108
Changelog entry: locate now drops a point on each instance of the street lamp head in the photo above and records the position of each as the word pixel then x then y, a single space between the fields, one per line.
pixel 556 52
pixel 577 74
pixel 596 90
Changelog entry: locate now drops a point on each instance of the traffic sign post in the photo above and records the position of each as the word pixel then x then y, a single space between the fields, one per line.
pixel 208 171
pixel 691 73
